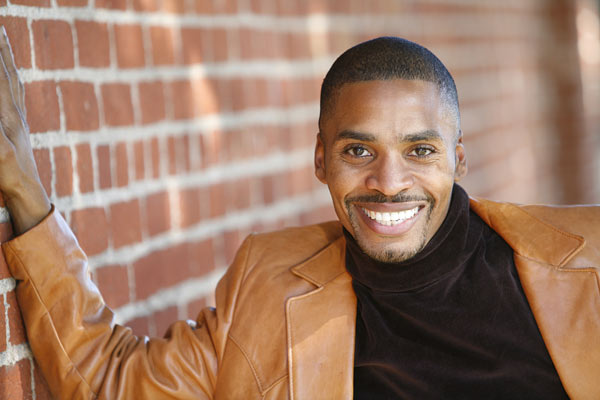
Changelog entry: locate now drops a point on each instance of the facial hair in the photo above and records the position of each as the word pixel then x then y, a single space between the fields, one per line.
pixel 388 255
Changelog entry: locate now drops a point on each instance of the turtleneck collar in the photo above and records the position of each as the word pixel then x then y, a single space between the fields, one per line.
pixel 446 252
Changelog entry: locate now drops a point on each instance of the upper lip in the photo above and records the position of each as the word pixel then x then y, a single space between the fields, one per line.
pixel 391 207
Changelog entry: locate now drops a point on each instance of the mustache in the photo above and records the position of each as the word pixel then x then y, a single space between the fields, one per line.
pixel 397 198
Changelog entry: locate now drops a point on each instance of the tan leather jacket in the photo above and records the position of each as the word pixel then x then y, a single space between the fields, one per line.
pixel 284 322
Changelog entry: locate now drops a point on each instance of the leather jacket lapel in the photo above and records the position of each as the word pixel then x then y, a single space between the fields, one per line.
pixel 562 290
pixel 321 329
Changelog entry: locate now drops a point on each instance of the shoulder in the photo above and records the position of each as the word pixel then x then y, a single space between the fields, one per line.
pixel 517 222
pixel 583 220
pixel 291 246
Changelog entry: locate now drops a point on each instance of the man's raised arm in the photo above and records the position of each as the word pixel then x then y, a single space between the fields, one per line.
pixel 81 351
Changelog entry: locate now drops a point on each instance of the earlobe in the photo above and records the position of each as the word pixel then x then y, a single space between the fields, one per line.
pixel 320 160
pixel 461 160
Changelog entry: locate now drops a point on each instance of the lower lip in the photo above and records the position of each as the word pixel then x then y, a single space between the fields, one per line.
pixel 389 230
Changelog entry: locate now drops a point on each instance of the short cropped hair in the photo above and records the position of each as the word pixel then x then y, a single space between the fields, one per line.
pixel 387 58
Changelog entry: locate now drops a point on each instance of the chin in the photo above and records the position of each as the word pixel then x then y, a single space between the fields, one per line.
pixel 390 254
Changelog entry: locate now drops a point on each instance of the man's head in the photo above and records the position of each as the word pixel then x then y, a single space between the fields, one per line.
pixel 389 145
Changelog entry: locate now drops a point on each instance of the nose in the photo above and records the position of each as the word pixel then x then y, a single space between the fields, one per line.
pixel 390 176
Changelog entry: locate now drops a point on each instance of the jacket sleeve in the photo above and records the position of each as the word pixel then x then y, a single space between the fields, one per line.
pixel 83 354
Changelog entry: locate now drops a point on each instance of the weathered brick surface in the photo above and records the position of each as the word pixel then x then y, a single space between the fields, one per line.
pixel 166 131
pixel 93 44
pixel 53 43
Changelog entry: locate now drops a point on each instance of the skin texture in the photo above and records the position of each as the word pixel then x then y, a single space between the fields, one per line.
pixel 23 193
pixel 390 146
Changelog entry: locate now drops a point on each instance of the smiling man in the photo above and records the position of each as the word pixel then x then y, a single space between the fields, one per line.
pixel 417 292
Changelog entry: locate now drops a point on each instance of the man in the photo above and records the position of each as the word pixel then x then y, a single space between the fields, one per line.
pixel 416 292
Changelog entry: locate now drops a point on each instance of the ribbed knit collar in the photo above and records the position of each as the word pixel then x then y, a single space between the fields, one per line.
pixel 445 253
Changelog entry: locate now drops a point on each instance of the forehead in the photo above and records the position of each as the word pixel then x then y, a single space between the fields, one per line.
pixel 392 107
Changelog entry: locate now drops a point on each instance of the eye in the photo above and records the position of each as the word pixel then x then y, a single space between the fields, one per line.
pixel 358 151
pixel 422 151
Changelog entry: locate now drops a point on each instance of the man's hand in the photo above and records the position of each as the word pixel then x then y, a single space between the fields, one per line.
pixel 20 184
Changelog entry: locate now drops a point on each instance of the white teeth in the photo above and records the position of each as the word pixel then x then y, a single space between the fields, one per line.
pixel 392 218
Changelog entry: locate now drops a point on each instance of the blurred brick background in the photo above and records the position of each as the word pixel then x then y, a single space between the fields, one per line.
pixel 165 131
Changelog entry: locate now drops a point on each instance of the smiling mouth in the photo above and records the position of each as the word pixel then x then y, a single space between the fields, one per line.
pixel 391 218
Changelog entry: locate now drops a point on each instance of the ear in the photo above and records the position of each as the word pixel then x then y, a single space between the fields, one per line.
pixel 460 169
pixel 320 159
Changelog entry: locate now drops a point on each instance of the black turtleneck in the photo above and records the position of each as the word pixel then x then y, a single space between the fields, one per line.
pixel 450 323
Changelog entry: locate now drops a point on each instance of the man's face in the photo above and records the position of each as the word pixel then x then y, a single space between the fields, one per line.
pixel 390 152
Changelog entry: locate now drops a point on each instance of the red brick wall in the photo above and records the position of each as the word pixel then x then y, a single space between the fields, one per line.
pixel 165 131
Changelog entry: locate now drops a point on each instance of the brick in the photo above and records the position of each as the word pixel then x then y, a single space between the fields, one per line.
pixel 172 155
pixel 145 5
pixel 163 45
pixel 183 144
pixel 53 44
pixel 85 170
pixel 140 326
pixel 91 228
pixel 202 257
pixel 152 101
pixel 130 46
pixel 196 45
pixel 72 3
pixel 122 164
pixel 113 283
pixel 164 318
pixel 32 3
pixel 219 44
pixel 211 147
pixel 17 330
pixel 93 44
pixel 63 164
pixel 16 29
pixel 217 200
pixel 216 7
pixel 19 376
pixel 139 161
pixel 161 269
pixel 4 273
pixel 41 387
pixel 41 102
pixel 118 108
pixel 155 157
pixel 232 241
pixel 5 231
pixel 112 4
pixel 44 167
pixel 182 99
pixel 204 97
pixel 104 166
pixel 240 195
pixel 125 224
pixel 195 307
pixel 158 215
pixel 193 206
pixel 80 106
pixel 173 6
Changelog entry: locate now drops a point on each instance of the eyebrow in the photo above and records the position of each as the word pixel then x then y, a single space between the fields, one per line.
pixel 429 134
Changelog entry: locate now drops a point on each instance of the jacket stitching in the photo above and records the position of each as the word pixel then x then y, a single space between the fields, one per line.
pixel 272 385
pixel 46 312
pixel 248 361
pixel 291 335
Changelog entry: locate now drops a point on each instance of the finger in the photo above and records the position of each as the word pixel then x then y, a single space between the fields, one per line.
pixel 11 118
pixel 9 64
